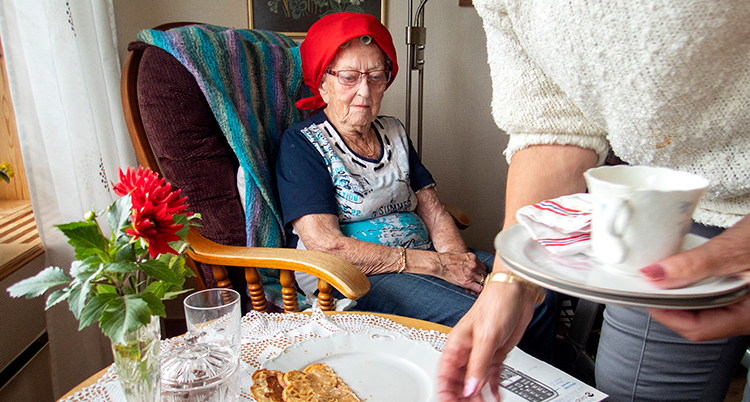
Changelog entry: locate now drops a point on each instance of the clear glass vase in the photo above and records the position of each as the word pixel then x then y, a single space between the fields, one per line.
pixel 137 363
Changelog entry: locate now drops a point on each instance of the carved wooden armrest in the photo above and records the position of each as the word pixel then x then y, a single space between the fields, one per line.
pixel 330 270
pixel 459 217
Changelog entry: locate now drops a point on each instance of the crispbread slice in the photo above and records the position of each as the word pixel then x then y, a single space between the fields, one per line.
pixel 316 383
pixel 267 386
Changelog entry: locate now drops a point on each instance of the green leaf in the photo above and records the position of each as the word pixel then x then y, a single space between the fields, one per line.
pixel 120 314
pixel 56 297
pixel 85 237
pixel 165 291
pixel 176 263
pixel 79 295
pixel 186 270
pixel 192 220
pixel 121 267
pixel 126 314
pixel 75 300
pixel 40 283
pixel 172 295
pixel 155 303
pixel 101 288
pixel 123 250
pixel 93 310
pixel 82 270
pixel 159 271
pixel 179 245
pixel 158 288
pixel 118 214
pixel 181 220
pixel 139 246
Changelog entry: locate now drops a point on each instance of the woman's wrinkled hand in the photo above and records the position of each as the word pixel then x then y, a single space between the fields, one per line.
pixel 726 254
pixel 479 343
pixel 461 269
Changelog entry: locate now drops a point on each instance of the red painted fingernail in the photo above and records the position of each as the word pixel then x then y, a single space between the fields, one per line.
pixel 470 387
pixel 654 272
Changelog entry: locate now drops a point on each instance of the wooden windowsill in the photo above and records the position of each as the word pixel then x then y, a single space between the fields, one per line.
pixel 19 240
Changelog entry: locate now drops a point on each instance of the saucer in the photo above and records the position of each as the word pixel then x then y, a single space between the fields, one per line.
pixel 585 277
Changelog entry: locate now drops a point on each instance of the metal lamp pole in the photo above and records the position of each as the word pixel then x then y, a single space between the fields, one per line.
pixel 416 35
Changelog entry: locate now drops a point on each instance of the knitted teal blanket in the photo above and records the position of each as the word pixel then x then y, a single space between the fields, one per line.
pixel 251 80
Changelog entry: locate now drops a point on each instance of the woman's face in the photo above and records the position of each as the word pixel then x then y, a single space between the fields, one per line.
pixel 353 108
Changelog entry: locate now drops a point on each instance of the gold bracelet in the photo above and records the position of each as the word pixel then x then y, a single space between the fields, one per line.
pixel 541 293
pixel 402 262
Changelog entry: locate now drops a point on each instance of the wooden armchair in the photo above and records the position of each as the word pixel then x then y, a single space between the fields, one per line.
pixel 175 133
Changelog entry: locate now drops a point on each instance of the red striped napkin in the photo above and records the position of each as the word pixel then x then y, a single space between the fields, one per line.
pixel 562 225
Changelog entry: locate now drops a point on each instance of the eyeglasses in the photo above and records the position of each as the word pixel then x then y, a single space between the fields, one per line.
pixel 350 78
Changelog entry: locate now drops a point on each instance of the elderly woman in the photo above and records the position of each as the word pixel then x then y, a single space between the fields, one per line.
pixel 351 185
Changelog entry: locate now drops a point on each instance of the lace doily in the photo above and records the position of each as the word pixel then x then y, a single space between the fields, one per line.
pixel 265 336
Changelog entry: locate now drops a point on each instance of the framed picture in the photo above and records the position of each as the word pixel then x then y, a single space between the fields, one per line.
pixel 294 17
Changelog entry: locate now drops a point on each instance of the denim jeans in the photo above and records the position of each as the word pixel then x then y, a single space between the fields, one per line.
pixel 431 299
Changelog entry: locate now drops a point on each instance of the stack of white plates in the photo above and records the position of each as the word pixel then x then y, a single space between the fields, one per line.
pixel 587 278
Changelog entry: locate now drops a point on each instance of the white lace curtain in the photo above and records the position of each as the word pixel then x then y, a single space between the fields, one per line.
pixel 64 77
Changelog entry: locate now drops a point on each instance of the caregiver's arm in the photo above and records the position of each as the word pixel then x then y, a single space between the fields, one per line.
pixel 479 343
pixel 543 172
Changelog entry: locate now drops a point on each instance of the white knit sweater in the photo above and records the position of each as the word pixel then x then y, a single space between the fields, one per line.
pixel 663 82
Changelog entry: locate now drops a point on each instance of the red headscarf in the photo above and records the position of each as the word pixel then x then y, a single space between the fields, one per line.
pixel 323 41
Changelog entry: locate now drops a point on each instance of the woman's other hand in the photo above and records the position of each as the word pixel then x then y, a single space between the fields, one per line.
pixel 461 269
pixel 708 324
pixel 726 254
pixel 479 343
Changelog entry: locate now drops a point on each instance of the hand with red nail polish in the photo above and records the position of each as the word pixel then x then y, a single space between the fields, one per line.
pixel 479 343
pixel 726 254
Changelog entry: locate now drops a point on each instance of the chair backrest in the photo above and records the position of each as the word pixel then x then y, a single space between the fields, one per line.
pixel 175 133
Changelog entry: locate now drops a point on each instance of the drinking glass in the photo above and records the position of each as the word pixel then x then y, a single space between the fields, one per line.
pixel 206 367
pixel 213 316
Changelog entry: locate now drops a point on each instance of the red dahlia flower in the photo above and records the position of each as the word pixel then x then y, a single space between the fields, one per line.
pixel 131 180
pixel 155 226
pixel 154 203
pixel 145 184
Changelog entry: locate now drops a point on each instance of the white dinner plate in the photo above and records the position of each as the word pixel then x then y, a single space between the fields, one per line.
pixel 378 365
pixel 588 278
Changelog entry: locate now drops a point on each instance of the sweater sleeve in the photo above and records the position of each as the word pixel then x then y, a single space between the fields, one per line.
pixel 302 178
pixel 526 104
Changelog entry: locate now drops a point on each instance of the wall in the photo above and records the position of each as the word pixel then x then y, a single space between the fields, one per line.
pixel 23 323
pixel 462 147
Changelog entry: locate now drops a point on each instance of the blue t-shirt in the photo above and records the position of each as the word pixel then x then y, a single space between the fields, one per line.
pixel 373 198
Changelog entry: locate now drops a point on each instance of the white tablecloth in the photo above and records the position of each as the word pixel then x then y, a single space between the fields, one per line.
pixel 265 336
